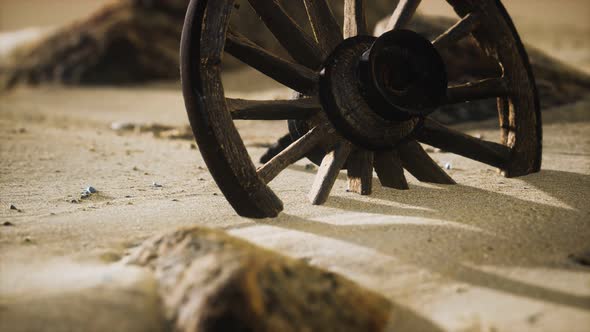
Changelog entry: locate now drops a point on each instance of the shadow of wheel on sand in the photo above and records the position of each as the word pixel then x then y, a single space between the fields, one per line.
pixel 507 231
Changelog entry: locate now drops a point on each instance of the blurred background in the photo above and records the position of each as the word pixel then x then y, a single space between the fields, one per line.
pixel 560 28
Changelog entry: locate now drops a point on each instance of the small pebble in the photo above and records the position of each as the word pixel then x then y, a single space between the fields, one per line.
pixel 75 201
pixel 13 207
pixel 175 200
pixel 91 190
pixel 309 167
pixel 193 146
pixel 28 240
pixel 156 185
pixel 448 166
pixel 215 194
pixel 7 224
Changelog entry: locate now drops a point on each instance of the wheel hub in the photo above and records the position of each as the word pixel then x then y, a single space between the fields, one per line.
pixel 376 90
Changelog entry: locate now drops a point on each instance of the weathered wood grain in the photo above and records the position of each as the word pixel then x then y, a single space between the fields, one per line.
pixel 325 27
pixel 420 165
pixel 447 139
pixel 242 109
pixel 359 167
pixel 390 170
pixel 482 89
pixel 293 75
pixel 302 47
pixel 462 29
pixel 293 153
pixel 405 10
pixel 328 173
pixel 355 18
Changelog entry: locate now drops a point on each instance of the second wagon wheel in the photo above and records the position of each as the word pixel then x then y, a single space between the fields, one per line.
pixel 364 100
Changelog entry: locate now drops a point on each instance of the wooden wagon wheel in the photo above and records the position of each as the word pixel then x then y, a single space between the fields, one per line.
pixel 365 100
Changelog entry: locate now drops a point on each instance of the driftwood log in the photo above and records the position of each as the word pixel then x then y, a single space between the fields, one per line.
pixel 131 41
pixel 210 281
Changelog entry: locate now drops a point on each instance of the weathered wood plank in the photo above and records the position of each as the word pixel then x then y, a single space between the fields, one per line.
pixel 483 89
pixel 292 153
pixel 324 25
pixel 360 171
pixel 458 31
pixel 301 109
pixel 403 14
pixel 294 39
pixel 328 173
pixel 293 75
pixel 447 139
pixel 420 165
pixel 355 18
pixel 390 170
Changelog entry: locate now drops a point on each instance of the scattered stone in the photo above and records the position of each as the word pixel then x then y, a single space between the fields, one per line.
pixel 122 126
pixel 215 194
pixel 75 201
pixel 14 208
pixel 27 239
pixel 193 146
pixel 211 281
pixel 7 224
pixel 448 166
pixel 175 200
pixel 135 168
pixel 91 190
pixel 156 185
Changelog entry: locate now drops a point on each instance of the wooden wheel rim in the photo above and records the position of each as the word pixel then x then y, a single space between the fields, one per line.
pixel 202 47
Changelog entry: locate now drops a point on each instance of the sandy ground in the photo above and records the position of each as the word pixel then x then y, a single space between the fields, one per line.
pixel 489 254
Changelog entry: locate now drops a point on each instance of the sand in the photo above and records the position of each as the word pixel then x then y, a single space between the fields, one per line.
pixel 489 254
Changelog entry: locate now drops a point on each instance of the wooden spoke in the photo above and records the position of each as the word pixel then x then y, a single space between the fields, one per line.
pixel 325 28
pixel 294 76
pixel 328 173
pixel 302 109
pixel 402 15
pixel 297 42
pixel 355 18
pixel 293 153
pixel 447 139
pixel 419 163
pixel 458 31
pixel 360 172
pixel 487 88
pixel 390 170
